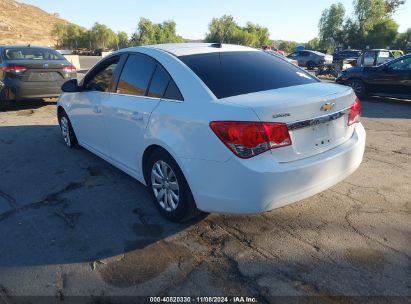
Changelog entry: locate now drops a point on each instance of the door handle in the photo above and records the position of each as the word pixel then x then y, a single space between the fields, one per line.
pixel 96 109
pixel 137 116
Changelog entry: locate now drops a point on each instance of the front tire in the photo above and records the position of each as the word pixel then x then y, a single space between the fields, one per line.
pixel 358 86
pixel 67 131
pixel 169 188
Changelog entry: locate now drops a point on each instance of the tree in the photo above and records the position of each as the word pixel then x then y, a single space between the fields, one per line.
pixel 123 40
pixel 330 26
pixel 383 34
pixel 392 5
pixel 222 30
pixel 368 13
pixel 313 44
pixel 151 33
pixel 403 41
pixel 102 37
pixel 59 31
pixel 288 46
pixel 225 29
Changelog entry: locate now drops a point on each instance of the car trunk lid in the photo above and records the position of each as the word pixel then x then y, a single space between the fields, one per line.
pixel 44 70
pixel 316 116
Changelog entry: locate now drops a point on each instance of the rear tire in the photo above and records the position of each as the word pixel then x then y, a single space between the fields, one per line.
pixel 311 65
pixel 358 86
pixel 169 188
pixel 67 131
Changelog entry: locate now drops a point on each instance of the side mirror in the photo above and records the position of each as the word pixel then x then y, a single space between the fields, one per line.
pixel 71 86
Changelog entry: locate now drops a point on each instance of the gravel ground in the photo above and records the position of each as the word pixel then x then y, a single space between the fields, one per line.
pixel 71 224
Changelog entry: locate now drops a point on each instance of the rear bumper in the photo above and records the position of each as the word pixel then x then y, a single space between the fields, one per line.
pixel 259 184
pixel 13 89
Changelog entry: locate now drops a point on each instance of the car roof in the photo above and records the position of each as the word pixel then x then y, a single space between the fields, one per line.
pixel 14 46
pixel 315 52
pixel 385 50
pixel 182 49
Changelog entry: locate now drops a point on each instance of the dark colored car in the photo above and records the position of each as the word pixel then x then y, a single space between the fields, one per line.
pixel 32 72
pixel 346 54
pixel 389 79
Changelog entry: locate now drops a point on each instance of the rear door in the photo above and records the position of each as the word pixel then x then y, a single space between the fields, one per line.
pixel 304 58
pixel 141 84
pixel 87 112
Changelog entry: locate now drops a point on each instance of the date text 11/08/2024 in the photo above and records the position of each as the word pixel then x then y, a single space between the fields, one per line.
pixel 234 299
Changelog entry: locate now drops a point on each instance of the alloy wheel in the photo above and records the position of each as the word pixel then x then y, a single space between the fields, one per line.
pixel 165 186
pixel 65 130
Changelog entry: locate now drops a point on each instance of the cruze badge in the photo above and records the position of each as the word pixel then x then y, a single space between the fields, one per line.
pixel 45 65
pixel 281 115
pixel 328 106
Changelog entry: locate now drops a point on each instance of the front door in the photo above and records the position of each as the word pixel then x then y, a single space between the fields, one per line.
pixel 87 111
pixel 394 78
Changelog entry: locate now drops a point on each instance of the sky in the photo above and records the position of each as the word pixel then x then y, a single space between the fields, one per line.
pixel 295 20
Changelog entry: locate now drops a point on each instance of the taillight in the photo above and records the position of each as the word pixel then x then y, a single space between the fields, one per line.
pixel 69 69
pixel 247 139
pixel 14 69
pixel 355 112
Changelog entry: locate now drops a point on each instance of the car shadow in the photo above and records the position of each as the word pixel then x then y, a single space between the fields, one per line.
pixel 30 104
pixel 382 107
pixel 60 205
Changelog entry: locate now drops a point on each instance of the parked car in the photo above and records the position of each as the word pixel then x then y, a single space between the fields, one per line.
pixel 32 72
pixel 212 127
pixel 390 79
pixel 375 57
pixel 346 54
pixel 311 59
pixel 274 49
pixel 274 53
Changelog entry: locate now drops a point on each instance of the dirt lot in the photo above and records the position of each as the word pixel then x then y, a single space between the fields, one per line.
pixel 71 224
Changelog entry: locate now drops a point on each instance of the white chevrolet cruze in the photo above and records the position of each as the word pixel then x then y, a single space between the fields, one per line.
pixel 216 128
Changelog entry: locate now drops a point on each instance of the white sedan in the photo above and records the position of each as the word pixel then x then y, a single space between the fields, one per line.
pixel 214 128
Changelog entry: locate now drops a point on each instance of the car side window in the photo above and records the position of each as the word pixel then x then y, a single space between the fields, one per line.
pixel 384 54
pixel 136 75
pixel 159 82
pixel 305 54
pixel 401 65
pixel 172 91
pixel 295 54
pixel 102 80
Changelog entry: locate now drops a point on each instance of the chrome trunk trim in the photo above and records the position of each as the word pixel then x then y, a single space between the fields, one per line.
pixel 317 120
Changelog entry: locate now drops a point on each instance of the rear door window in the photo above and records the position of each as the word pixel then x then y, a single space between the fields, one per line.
pixel 159 82
pixel 136 75
pixel 172 91
pixel 234 73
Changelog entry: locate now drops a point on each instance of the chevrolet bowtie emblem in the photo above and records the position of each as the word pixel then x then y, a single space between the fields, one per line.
pixel 328 106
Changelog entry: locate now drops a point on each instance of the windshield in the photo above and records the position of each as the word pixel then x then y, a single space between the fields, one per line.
pixel 29 53
pixel 235 73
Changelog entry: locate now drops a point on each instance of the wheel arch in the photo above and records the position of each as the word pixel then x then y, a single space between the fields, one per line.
pixel 60 111
pixel 149 151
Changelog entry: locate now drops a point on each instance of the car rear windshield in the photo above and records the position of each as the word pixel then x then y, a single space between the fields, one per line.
pixel 235 73
pixel 29 53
